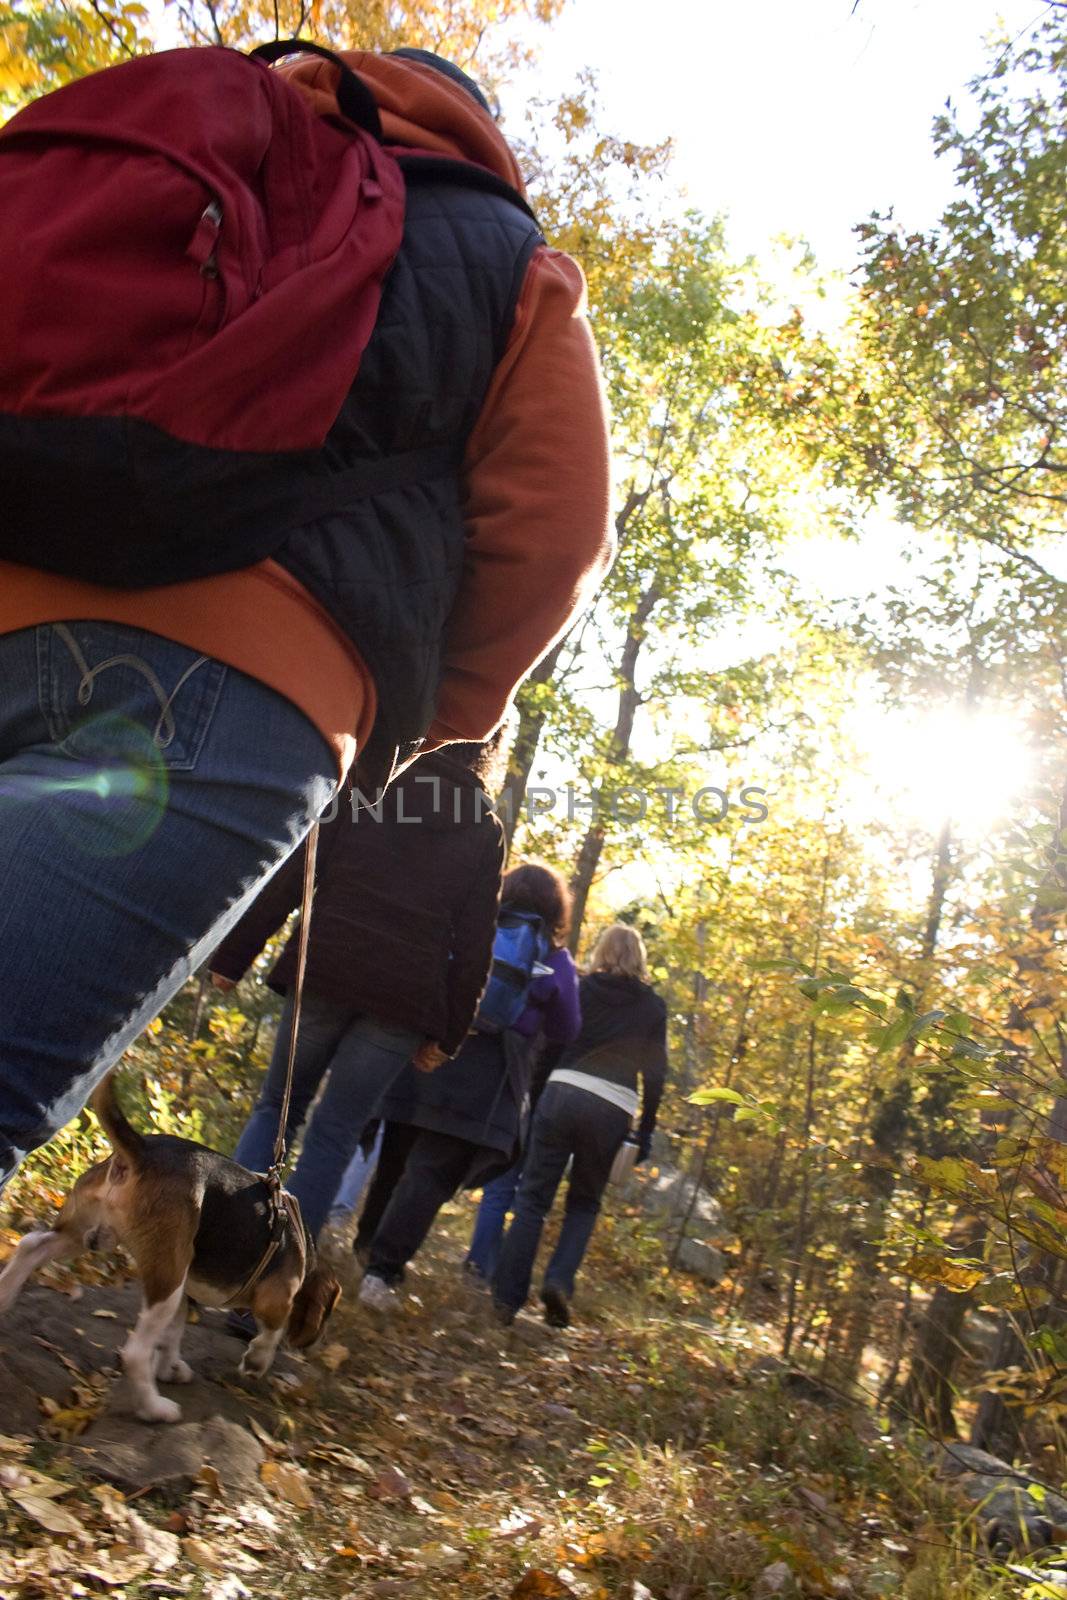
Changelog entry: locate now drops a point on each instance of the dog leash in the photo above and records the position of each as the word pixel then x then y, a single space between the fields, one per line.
pixel 274 1171
pixel 284 1207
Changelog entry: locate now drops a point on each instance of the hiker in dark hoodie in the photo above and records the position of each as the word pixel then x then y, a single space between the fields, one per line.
pixel 467 1122
pixel 585 1112
pixel 400 942
pixel 164 747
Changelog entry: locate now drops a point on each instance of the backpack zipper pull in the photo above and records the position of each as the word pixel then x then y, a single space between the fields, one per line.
pixel 203 247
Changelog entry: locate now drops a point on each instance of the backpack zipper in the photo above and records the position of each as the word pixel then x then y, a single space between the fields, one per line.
pixel 204 245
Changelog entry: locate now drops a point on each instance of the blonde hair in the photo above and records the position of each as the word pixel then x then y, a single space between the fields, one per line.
pixel 620 950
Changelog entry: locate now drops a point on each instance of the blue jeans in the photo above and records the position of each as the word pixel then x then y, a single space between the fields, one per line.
pixel 363 1059
pixel 569 1122
pixel 497 1197
pixel 146 793
pixel 358 1174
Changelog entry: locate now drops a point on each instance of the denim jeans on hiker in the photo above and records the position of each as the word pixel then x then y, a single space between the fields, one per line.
pixel 146 794
pixel 358 1174
pixel 497 1197
pixel 362 1058
pixel 569 1122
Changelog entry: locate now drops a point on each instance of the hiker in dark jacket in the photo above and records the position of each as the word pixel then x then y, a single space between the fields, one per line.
pixel 165 745
pixel 466 1121
pixel 399 946
pixel 585 1112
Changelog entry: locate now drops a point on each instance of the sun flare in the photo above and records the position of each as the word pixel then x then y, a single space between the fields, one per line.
pixel 949 765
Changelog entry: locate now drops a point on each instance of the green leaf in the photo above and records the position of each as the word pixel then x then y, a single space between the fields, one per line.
pixel 708 1097
pixel 892 1037
pixel 968 1050
pixel 926 1023
pixel 781 964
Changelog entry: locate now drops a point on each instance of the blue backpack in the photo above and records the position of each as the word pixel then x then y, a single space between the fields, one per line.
pixel 520 952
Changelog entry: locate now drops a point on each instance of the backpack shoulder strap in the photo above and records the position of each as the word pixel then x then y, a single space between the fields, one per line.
pixel 355 99
pixel 419 167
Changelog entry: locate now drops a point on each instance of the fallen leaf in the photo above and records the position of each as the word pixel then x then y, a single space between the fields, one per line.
pixel 72 1420
pixel 27 1481
pixel 338 1456
pixel 14 1447
pixel 439 1555
pixel 289 1482
pixel 57 1519
pixel 774 1580
pixel 265 1439
pixel 520 1525
pixel 60 1354
pixel 209 1477
pixel 111 1316
pixel 248 1539
pixel 229 1587
pixel 536 1584
pixel 334 1356
pixel 493 1425
pixel 114 1570
pixel 390 1485
pixel 162 1549
pixel 203 1554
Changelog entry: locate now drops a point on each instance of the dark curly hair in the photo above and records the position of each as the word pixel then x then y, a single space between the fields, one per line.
pixel 537 887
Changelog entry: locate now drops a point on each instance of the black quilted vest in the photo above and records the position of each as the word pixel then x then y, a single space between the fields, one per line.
pixel 387 568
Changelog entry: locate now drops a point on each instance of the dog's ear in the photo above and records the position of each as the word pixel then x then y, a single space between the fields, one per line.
pixel 315 1300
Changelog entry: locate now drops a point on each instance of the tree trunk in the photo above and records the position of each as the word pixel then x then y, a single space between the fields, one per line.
pixel 700 1165
pixel 619 748
pixel 888 1137
pixel 929 1391
pixel 997 1427
pixel 800 1238
pixel 532 720
pixel 689 1075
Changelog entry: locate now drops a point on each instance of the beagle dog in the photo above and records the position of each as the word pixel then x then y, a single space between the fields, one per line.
pixel 197 1226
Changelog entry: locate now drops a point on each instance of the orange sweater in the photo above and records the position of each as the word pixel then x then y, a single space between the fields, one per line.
pixel 536 497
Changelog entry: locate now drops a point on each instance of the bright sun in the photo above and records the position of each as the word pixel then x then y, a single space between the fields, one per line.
pixel 948 765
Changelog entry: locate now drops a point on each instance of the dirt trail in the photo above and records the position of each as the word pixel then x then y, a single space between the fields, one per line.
pixel 431 1455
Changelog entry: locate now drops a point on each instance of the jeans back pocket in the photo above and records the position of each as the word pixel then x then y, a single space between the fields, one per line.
pixel 110 692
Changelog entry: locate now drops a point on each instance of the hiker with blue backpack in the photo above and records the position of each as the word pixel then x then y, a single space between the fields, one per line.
pixel 466 1122
pixel 305 465
pixel 586 1113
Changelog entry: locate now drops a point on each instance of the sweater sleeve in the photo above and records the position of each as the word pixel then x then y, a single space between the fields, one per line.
pixel 472 938
pixel 281 894
pixel 653 1076
pixel 563 1012
pixel 537 491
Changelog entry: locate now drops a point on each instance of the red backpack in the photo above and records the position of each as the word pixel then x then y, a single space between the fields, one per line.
pixel 193 264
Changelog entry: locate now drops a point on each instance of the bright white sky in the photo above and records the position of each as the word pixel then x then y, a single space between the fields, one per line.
pixel 790 116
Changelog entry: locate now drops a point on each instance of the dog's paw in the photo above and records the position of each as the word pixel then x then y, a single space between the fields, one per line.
pixel 160 1410
pixel 176 1371
pixel 254 1366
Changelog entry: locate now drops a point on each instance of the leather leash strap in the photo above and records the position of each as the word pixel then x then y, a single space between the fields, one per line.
pixel 274 1171
pixel 284 1208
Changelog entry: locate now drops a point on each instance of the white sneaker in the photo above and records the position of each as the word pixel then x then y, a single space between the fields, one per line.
pixel 376 1295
